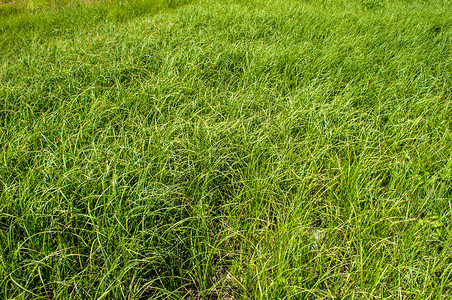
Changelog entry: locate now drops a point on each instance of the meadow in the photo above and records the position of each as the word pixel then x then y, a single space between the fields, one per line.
pixel 297 149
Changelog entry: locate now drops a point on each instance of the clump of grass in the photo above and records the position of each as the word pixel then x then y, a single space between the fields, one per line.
pixel 231 150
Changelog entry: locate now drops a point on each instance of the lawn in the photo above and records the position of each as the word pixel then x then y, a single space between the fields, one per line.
pixel 226 150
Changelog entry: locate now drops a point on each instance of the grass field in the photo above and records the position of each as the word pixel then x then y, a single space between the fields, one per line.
pixel 227 150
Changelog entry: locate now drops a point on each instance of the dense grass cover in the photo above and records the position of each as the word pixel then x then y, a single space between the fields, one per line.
pixel 232 150
pixel 22 21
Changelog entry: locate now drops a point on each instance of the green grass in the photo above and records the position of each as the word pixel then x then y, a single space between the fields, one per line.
pixel 231 150
pixel 24 21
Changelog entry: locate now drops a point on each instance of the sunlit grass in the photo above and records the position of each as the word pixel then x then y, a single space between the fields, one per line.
pixel 14 6
pixel 231 150
pixel 21 22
